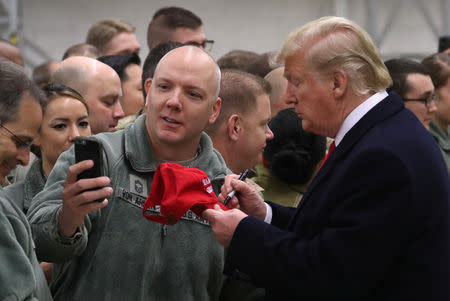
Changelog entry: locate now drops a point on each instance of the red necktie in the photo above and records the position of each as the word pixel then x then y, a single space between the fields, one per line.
pixel 330 150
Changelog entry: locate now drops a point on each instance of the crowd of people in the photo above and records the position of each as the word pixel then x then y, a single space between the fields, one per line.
pixel 348 158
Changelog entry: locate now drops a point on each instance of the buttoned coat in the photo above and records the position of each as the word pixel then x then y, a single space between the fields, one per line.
pixel 373 224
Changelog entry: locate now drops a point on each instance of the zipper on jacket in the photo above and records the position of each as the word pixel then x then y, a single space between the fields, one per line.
pixel 164 231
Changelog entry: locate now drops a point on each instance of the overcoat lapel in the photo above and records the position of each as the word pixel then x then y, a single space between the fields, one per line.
pixel 388 106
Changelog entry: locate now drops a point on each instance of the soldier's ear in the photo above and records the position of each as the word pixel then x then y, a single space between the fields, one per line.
pixel 147 84
pixel 215 111
pixel 234 127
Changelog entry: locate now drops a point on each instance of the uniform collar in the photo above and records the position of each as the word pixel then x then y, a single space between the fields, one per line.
pixel 34 182
pixel 138 149
pixel 440 135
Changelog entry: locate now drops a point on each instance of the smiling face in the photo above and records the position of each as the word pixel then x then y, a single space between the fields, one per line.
pixel 25 127
pixel 182 100
pixel 64 119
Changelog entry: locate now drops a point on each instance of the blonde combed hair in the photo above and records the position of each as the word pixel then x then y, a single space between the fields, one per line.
pixel 102 32
pixel 332 43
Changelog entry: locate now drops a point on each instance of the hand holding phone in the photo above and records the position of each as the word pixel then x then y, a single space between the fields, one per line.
pixel 87 148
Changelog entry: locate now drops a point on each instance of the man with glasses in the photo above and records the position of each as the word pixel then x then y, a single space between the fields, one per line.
pixel 177 24
pixel 411 80
pixel 21 106
pixel 20 118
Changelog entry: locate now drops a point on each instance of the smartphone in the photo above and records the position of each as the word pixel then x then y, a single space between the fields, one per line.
pixel 87 148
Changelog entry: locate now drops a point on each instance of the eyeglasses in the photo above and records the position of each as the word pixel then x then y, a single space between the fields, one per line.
pixel 206 44
pixel 21 145
pixel 429 101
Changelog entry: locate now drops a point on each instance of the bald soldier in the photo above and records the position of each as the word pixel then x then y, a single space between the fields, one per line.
pixel 114 252
pixel 278 93
pixel 100 86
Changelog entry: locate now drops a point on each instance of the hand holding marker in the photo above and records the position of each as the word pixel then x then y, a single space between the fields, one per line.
pixel 233 192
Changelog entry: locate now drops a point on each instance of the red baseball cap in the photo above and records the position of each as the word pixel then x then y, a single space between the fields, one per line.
pixel 176 189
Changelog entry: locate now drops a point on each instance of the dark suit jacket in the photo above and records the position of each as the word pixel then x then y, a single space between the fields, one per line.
pixel 373 225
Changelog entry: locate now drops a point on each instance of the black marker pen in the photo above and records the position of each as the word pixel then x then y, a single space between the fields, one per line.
pixel 233 192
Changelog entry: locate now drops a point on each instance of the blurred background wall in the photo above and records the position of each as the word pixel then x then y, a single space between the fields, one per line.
pixel 44 29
